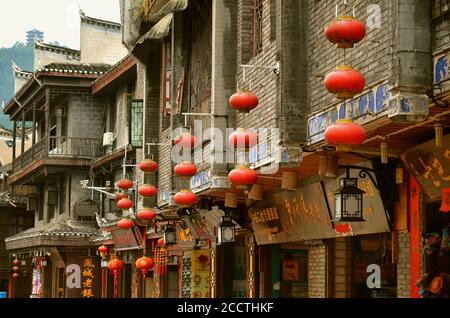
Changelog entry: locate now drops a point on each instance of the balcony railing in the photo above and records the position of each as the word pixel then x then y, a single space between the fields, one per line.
pixel 60 147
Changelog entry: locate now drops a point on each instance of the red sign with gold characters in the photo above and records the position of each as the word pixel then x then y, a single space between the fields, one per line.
pixel 88 278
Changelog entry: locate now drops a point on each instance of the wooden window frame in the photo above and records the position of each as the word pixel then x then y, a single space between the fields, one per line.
pixel 258 8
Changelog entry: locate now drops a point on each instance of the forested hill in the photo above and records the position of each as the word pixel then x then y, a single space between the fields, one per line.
pixel 22 55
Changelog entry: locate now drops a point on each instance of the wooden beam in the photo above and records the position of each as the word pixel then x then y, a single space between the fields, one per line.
pixel 22 145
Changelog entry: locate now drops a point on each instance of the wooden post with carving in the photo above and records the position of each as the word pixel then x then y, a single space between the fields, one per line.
pixel 251 283
pixel 213 256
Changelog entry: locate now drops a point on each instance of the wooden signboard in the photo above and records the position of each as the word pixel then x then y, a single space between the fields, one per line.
pixel 82 277
pixel 430 166
pixel 126 239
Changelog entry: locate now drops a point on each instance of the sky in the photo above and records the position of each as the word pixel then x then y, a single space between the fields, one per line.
pixel 58 19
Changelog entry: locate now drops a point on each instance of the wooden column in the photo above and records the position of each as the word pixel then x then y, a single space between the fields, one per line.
pixel 33 141
pixel 251 282
pixel 22 145
pixel 414 235
pixel 14 144
pixel 213 272
pixel 47 118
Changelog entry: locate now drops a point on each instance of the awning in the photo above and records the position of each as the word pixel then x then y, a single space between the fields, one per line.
pixel 159 31
pixel 173 6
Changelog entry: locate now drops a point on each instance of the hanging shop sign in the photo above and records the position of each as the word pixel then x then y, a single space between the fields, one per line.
pixel 200 280
pixel 200 227
pixel 82 277
pixel 126 239
pixel 430 166
pixel 305 214
pixel 265 217
pixel 364 109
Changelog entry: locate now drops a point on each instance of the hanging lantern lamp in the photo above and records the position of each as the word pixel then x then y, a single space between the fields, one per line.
pixel 125 224
pixel 185 198
pixel 185 170
pixel 348 201
pixel 120 195
pixel 148 190
pixel 125 204
pixel 345 32
pixel 242 176
pixel 345 134
pixel 185 140
pixel 243 138
pixel 244 101
pixel 345 82
pixel 146 214
pixel 148 166
pixel 125 184
pixel 144 264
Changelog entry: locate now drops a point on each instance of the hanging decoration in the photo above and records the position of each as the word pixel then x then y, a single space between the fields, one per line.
pixel 185 170
pixel 125 204
pixel 16 261
pixel 345 82
pixel 147 190
pixel 125 224
pixel 185 140
pixel 345 32
pixel 243 138
pixel 242 176
pixel 185 198
pixel 445 204
pixel 125 184
pixel 146 214
pixel 120 195
pixel 244 101
pixel 345 134
pixel 103 250
pixel 148 166
pixel 115 266
pixel 144 264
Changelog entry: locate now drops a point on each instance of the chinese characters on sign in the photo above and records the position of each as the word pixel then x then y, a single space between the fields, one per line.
pixel 265 218
pixel 429 165
pixel 200 280
pixel 87 282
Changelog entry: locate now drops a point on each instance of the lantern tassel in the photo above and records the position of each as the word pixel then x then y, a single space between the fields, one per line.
pixel 384 152
pixel 439 132
pixel 116 291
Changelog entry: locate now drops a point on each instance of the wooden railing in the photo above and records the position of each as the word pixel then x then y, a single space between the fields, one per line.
pixel 66 147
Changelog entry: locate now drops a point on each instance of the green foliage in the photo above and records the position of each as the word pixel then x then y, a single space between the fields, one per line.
pixel 22 55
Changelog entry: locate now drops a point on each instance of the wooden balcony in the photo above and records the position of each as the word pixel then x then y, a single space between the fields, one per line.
pixel 56 152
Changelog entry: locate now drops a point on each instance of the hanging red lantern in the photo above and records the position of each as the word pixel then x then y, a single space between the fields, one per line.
pixel 15 268
pixel 243 138
pixel 345 31
pixel 16 262
pixel 125 224
pixel 148 190
pixel 115 266
pixel 103 249
pixel 15 275
pixel 345 134
pixel 185 140
pixel 125 184
pixel 144 264
pixel 445 205
pixel 148 166
pixel 244 101
pixel 185 170
pixel 242 176
pixel 120 195
pixel 125 204
pixel 160 242
pixel 345 82
pixel 185 198
pixel 146 214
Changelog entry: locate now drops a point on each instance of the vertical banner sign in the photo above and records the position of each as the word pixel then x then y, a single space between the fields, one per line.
pixel 414 217
pixel 82 275
pixel 88 278
pixel 200 274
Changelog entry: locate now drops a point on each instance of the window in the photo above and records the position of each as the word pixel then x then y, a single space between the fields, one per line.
pixel 258 27
pixel 167 75
pixel 136 127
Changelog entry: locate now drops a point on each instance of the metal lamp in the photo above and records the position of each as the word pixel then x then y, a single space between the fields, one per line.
pixel 225 231
pixel 348 201
pixel 170 237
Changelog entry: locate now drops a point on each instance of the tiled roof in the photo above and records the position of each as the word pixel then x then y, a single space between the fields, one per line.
pixel 8 200
pixel 63 229
pixel 18 72
pixel 104 23
pixel 91 69
pixel 101 236
pixel 56 48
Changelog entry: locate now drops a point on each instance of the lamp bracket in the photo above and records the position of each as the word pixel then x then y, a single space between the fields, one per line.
pixel 363 173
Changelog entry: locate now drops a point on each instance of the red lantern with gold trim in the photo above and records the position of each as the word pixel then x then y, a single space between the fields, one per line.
pixel 115 266
pixel 244 101
pixel 148 190
pixel 345 134
pixel 242 176
pixel 125 204
pixel 148 166
pixel 185 140
pixel 185 198
pixel 345 31
pixel 125 184
pixel 243 138
pixel 345 82
pixel 146 214
pixel 102 249
pixel 144 264
pixel 185 170
pixel 125 224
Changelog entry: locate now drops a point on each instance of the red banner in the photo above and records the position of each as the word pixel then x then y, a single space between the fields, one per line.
pixel 414 232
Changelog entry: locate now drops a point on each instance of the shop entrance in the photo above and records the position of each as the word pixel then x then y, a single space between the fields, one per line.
pixel 294 273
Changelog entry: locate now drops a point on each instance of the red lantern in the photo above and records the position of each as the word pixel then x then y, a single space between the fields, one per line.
pixel 244 101
pixel 16 262
pixel 345 82
pixel 445 205
pixel 185 140
pixel 120 195
pixel 345 31
pixel 345 134
pixel 144 264
pixel 125 204
pixel 148 166
pixel 102 249
pixel 15 268
pixel 185 198
pixel 125 224
pixel 243 138
pixel 147 190
pixel 115 265
pixel 242 176
pixel 15 275
pixel 125 184
pixel 146 214
pixel 160 242
pixel 185 170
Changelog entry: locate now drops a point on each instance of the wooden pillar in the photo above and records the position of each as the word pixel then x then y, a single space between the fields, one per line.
pixel 33 141
pixel 213 273
pixel 251 282
pixel 22 145
pixel 414 235
pixel 47 118
pixel 14 141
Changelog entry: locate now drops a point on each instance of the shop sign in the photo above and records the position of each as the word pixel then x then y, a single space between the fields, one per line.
pixel 126 239
pixel 82 277
pixel 265 218
pixel 200 227
pixel 200 279
pixel 430 166
pixel 364 108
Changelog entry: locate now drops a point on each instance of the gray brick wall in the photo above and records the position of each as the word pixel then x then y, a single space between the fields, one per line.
pixel 403 266
pixel 441 25
pixel 317 271
pixel 342 268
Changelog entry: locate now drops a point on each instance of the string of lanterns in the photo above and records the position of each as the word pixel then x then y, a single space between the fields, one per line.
pixel 15 268
pixel 345 82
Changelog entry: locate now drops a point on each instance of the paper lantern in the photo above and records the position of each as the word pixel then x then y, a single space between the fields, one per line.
pixel 345 134
pixel 244 101
pixel 185 140
pixel 345 82
pixel 147 190
pixel 243 176
pixel 144 264
pixel 125 224
pixel 125 204
pixel 146 214
pixel 345 31
pixel 243 138
pixel 148 166
pixel 445 204
pixel 185 198
pixel 125 184
pixel 185 170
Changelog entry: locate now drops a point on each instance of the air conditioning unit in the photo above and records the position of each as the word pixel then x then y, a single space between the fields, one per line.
pixel 108 139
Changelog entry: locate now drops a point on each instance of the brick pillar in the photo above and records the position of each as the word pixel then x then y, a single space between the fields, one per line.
pixel 317 271
pixel 342 268
pixel 403 266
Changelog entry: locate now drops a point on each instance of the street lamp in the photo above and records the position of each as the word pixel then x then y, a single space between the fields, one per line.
pixel 170 237
pixel 348 201
pixel 225 231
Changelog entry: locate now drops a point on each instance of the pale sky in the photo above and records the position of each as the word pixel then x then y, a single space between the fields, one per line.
pixel 58 19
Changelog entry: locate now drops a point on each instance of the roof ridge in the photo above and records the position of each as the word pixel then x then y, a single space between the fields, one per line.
pixel 111 24
pixel 38 44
